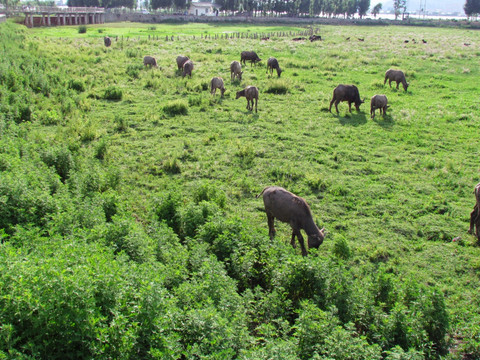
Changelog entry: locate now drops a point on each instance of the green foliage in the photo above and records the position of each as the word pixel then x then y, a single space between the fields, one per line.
pixel 341 249
pixel 61 159
pixel 77 85
pixel 278 86
pixel 113 93
pixel 82 29
pixel 176 107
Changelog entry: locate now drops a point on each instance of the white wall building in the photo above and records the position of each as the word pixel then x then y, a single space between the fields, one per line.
pixel 203 8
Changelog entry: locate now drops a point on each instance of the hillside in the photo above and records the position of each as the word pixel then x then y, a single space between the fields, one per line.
pixel 129 219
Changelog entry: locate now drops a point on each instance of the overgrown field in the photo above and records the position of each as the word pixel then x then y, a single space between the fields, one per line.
pixel 129 223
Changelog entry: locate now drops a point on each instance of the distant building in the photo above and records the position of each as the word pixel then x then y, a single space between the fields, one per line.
pixel 203 8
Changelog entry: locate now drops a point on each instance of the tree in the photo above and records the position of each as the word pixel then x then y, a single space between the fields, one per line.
pixel 400 7
pixel 472 8
pixel 376 9
pixel 362 7
pixel 161 4
pixel 8 3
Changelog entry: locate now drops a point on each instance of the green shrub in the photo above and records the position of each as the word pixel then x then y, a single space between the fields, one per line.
pixel 167 209
pixel 176 107
pixel 195 215
pixel 61 159
pixel 341 249
pixel 320 335
pixel 277 87
pixel 82 29
pixel 101 149
pixel 134 70
pixel 76 84
pixel 113 93
pixel 124 235
pixel 171 165
pixel 208 191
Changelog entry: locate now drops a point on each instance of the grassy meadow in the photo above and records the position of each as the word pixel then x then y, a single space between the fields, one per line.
pixel 129 223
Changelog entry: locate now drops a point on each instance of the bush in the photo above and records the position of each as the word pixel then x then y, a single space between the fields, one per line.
pixel 196 215
pixel 125 235
pixel 341 249
pixel 320 336
pixel 207 191
pixel 113 93
pixel 277 87
pixel 167 209
pixel 61 159
pixel 82 29
pixel 176 107
pixel 77 85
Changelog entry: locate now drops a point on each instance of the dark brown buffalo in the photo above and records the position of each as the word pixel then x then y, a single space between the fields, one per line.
pixel 107 41
pixel 475 214
pixel 289 208
pixel 347 93
pixel 249 56
pixel 272 63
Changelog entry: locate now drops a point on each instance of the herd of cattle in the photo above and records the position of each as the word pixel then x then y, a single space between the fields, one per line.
pixel 280 203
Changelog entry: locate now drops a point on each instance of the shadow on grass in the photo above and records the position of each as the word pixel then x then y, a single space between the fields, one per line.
pixel 351 119
pixel 384 121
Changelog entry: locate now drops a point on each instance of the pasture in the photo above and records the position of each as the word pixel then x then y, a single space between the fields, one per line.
pixel 130 223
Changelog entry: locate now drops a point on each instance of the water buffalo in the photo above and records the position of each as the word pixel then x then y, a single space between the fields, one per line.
pixel 475 214
pixel 289 208
pixel 250 56
pixel 395 75
pixel 346 93
pixel 180 61
pixel 107 41
pixel 272 63
pixel 187 68
pixel 149 60
pixel 378 102
pixel 251 93
pixel 217 83
pixel 235 71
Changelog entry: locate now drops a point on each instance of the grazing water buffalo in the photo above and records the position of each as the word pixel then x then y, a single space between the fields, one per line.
pixel 395 75
pixel 475 214
pixel 289 208
pixel 378 102
pixel 346 93
pixel 272 63
pixel 235 70
pixel 187 68
pixel 107 41
pixel 250 56
pixel 251 93
pixel 149 60
pixel 313 38
pixel 181 60
pixel 217 83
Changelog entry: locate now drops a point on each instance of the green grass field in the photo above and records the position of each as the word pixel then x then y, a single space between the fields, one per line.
pixel 102 150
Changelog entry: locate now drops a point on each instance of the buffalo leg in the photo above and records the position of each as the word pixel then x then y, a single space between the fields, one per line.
pixel 397 84
pixel 271 226
pixel 349 106
pixel 331 103
pixel 390 82
pixel 256 101
pixel 300 240
pixel 385 81
pixel 473 218
pixel 292 242
pixel 336 105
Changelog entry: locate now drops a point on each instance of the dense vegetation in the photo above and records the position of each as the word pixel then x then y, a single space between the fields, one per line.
pixel 128 217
